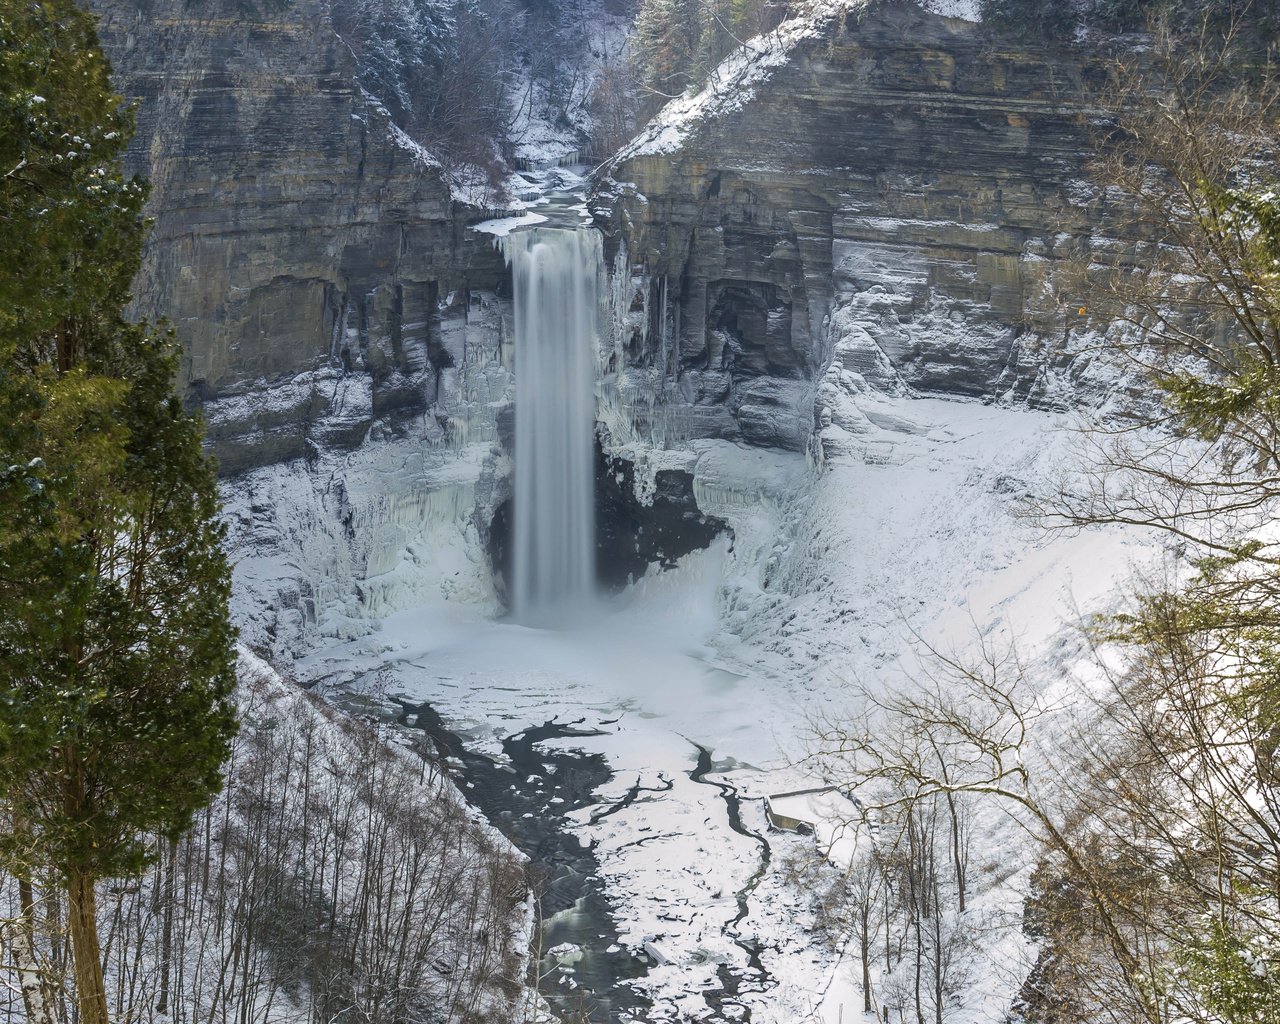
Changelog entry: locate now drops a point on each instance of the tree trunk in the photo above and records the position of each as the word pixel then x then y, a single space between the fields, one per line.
pixel 957 848
pixel 82 921
pixel 939 967
pixel 37 993
pixel 864 941
pixel 168 893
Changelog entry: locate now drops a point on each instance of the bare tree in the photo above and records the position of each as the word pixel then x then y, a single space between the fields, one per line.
pixel 336 878
pixel 1154 809
pixel 37 978
pixel 965 731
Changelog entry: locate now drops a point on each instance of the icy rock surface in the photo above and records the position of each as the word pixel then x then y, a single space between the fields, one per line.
pixel 329 545
pixel 701 685
pixel 867 177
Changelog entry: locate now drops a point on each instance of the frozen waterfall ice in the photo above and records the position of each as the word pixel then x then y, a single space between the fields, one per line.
pixel 557 274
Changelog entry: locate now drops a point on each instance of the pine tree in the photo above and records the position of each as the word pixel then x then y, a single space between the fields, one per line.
pixel 1051 20
pixel 116 663
pixel 668 45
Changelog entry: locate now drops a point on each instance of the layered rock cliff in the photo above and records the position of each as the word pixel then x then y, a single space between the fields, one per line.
pixel 878 192
pixel 878 196
pixel 308 254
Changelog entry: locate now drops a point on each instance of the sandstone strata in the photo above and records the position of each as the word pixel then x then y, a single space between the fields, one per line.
pixel 891 207
pixel 304 250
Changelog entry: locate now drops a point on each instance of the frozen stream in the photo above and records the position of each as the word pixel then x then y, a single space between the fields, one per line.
pixel 527 792
pixel 670 715
pixel 619 744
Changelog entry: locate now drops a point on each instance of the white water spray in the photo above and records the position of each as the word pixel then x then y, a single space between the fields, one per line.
pixel 557 275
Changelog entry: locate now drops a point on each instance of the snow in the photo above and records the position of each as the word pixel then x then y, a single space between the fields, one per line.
pixel 966 10
pixel 421 156
pixel 500 227
pixel 352 807
pixel 834 576
pixel 732 85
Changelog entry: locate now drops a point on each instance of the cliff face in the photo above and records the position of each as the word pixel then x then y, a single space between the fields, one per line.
pixel 892 205
pixel 304 250
pixel 881 197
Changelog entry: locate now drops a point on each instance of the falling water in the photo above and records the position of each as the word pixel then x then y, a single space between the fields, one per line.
pixel 557 308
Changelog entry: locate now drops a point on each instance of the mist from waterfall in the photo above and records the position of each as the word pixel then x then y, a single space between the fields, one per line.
pixel 557 278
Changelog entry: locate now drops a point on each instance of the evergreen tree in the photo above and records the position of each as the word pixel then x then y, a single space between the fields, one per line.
pixel 1050 20
pixel 680 43
pixel 666 44
pixel 116 663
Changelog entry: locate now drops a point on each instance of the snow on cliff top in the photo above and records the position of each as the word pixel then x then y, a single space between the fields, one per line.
pixel 732 85
pixel 966 10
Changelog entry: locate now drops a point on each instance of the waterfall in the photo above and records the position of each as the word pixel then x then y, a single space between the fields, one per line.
pixel 557 274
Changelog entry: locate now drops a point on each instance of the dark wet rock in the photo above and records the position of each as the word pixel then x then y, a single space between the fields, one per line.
pixel 632 536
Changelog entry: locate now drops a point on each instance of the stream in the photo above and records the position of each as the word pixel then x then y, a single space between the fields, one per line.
pixel 756 979
pixel 528 800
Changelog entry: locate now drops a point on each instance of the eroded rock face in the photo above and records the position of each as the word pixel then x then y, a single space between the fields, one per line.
pixel 305 251
pixel 899 196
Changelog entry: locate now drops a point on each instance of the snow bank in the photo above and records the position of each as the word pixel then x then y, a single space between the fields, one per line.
pixel 966 10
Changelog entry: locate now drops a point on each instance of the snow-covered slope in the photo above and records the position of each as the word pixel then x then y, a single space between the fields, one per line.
pixel 336 873
pixel 909 528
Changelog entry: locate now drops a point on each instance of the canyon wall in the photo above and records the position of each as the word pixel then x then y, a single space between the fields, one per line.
pixel 880 197
pixel 876 197
pixel 305 251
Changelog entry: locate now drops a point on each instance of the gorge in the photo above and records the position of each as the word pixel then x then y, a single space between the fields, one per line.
pixel 630 485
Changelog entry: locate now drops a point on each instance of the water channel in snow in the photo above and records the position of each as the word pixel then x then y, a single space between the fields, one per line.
pixel 527 792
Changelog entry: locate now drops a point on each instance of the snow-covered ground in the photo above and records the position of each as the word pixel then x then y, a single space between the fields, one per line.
pixel 832 579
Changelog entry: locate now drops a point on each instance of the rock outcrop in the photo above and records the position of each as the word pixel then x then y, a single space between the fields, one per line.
pixel 304 249
pixel 878 197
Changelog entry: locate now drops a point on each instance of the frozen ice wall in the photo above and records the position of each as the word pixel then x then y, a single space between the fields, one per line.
pixel 557 274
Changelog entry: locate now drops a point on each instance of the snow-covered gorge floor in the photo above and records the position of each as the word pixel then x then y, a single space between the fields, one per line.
pixel 910 530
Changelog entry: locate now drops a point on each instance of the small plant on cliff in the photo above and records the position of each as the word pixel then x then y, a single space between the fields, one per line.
pixel 115 647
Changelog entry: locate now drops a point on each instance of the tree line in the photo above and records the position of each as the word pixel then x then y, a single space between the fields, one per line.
pixel 1058 21
pixel 899 907
pixel 459 76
